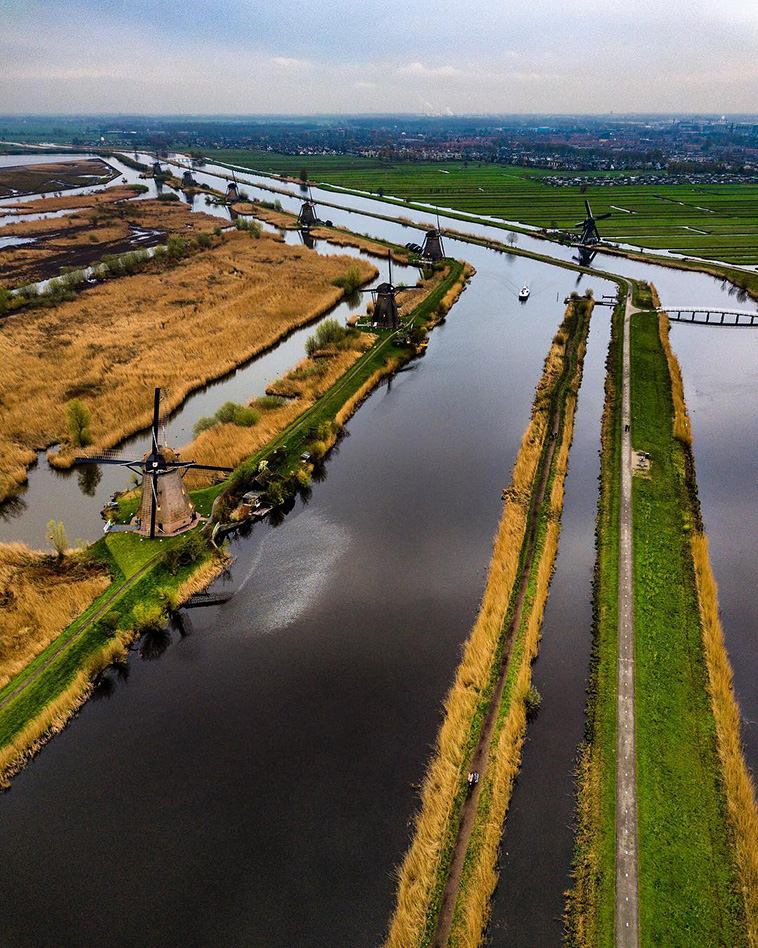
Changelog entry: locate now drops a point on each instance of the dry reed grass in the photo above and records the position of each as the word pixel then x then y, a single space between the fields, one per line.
pixel 268 214
pixel 176 329
pixel 40 597
pixel 417 874
pixel 229 444
pixel 66 203
pixel 682 430
pixel 472 909
pixel 738 783
pixel 362 243
pixel 91 235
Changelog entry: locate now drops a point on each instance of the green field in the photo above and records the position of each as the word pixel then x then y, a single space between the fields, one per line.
pixel 724 219
pixel 687 878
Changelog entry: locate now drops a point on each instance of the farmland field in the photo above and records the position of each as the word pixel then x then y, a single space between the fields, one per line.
pixel 718 222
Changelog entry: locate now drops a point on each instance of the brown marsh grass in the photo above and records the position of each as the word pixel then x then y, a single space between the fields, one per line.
pixel 90 235
pixel 268 214
pixel 229 444
pixel 40 597
pixel 71 201
pixel 177 329
pixel 472 908
pixel 738 783
pixel 417 874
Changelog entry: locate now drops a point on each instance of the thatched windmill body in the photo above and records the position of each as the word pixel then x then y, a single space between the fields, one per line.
pixel 165 507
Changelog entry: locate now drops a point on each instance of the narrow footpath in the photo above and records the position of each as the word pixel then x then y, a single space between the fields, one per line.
pixel 481 753
pixel 627 903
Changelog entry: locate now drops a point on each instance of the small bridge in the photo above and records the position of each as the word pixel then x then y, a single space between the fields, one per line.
pixel 710 317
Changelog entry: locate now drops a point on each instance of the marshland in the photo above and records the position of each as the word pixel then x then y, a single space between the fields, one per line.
pixel 344 632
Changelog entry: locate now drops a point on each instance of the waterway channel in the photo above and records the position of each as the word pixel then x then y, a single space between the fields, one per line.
pixel 255 784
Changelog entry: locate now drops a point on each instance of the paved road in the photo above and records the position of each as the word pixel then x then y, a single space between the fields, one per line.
pixel 627 903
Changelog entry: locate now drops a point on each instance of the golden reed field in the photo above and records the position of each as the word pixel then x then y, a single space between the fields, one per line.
pixel 39 597
pixel 177 328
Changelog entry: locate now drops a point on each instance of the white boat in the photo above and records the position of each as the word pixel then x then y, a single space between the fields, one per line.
pixel 524 293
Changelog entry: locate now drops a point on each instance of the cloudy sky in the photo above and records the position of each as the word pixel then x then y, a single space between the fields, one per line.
pixel 316 56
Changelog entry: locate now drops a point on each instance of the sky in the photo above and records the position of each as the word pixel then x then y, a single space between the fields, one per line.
pixel 439 57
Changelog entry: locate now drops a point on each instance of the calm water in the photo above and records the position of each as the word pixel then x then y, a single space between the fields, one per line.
pixel 254 785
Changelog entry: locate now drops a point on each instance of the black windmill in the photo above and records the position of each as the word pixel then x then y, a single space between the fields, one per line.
pixel 590 234
pixel 308 217
pixel 433 249
pixel 385 300
pixel 165 508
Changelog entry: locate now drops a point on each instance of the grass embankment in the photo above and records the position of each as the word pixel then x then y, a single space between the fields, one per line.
pixel 62 676
pixel 423 875
pixel 689 892
pixel 177 328
pixel 737 781
pixel 144 581
pixel 590 906
pixel 698 832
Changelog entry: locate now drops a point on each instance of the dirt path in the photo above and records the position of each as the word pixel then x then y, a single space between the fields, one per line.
pixel 627 904
pixel 479 758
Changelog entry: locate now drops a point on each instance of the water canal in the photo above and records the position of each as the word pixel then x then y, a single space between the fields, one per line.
pixel 269 759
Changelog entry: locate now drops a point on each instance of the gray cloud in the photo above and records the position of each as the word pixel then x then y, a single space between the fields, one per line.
pixel 333 56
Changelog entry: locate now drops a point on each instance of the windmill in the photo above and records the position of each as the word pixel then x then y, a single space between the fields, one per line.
pixel 187 180
pixel 590 234
pixel 433 249
pixel 232 191
pixel 165 506
pixel 307 217
pixel 385 300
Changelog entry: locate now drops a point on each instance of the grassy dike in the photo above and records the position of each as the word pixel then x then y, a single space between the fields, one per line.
pixel 61 678
pixel 495 671
pixel 698 831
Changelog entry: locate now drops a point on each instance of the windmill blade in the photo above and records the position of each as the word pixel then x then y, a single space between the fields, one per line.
pixel 589 209
pixel 389 263
pixel 156 418
pixel 204 467
pixel 603 217
pixel 105 459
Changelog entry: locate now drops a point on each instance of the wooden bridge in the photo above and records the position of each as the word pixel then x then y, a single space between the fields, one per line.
pixel 710 317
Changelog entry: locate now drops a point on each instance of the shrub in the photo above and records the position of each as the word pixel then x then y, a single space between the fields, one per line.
pixel 148 618
pixel 351 279
pixel 203 424
pixel 242 415
pixel 204 240
pixel 329 333
pixel 217 230
pixel 79 420
pixel 176 247
pixel 56 534
pixel 252 227
pixel 168 197
pixel 270 402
